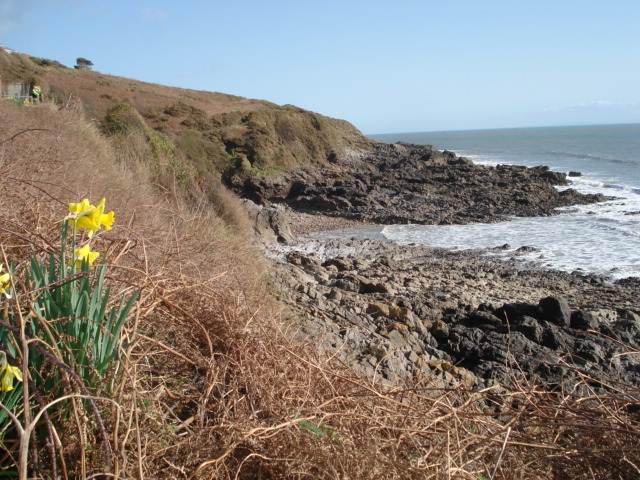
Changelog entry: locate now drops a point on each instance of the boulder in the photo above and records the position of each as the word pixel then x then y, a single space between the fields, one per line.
pixel 341 264
pixel 270 224
pixel 483 320
pixel 367 286
pixel 581 320
pixel 556 310
pixel 529 327
pixel 349 283
pixel 511 311
pixel 553 338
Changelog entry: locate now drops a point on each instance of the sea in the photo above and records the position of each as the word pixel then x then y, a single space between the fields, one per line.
pixel 601 238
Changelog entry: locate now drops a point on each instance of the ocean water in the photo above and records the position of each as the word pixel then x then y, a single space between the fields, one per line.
pixel 600 238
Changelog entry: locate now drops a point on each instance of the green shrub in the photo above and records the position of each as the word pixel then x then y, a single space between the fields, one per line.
pixel 122 119
pixel 45 62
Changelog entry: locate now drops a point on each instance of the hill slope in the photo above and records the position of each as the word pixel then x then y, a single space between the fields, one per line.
pixel 219 134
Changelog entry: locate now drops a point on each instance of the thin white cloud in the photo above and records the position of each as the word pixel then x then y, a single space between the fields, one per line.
pixel 155 16
pixel 598 104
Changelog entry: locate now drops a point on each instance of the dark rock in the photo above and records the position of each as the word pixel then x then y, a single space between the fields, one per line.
pixel 483 320
pixel 529 327
pixel 581 320
pixel 553 338
pixel 374 287
pixel 449 311
pixel 627 326
pixel 556 310
pixel 587 351
pixel 466 344
pixel 628 321
pixel 511 311
pixel 405 183
pixel 349 283
pixel 554 375
pixel 440 330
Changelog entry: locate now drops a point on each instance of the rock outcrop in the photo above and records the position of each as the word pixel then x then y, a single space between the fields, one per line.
pixel 270 224
pixel 404 183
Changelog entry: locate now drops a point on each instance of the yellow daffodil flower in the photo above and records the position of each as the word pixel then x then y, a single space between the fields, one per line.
pixel 85 253
pixel 107 220
pixel 9 374
pixel 5 282
pixel 91 217
pixel 79 208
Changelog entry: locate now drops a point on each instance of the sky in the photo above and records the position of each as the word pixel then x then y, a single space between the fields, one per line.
pixel 385 66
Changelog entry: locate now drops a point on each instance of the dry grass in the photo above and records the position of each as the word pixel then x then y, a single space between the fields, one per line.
pixel 215 382
pixel 100 91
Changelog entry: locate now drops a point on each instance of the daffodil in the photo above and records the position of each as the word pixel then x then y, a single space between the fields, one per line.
pixel 9 374
pixel 5 282
pixel 106 220
pixel 80 208
pixel 91 217
pixel 85 254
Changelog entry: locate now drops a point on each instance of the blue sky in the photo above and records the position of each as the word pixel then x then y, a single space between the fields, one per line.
pixel 385 66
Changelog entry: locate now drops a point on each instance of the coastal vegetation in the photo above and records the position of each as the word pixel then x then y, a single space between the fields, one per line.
pixel 205 371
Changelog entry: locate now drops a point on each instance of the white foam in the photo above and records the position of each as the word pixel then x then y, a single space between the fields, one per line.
pixel 565 242
pixel 603 238
pixel 599 238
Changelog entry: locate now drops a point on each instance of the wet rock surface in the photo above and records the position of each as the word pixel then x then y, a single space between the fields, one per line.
pixel 405 183
pixel 398 313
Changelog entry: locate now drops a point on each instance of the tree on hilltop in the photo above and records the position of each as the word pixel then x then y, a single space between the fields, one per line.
pixel 83 64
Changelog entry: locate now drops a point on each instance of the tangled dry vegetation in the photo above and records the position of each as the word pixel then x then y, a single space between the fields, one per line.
pixel 214 380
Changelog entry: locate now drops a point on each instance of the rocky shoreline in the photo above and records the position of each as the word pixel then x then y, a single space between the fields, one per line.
pixel 416 315
pixel 404 183
pixel 409 313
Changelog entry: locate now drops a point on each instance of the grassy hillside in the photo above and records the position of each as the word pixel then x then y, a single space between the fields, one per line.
pixel 215 134
pixel 211 377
